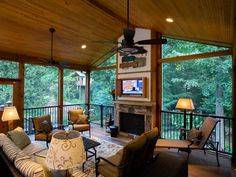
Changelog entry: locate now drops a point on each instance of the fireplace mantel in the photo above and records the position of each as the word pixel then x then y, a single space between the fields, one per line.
pixel 135 103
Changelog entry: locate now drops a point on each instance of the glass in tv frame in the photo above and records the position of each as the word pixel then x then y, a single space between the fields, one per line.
pixel 132 87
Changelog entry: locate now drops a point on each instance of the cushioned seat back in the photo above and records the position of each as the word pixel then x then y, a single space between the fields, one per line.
pixel 206 129
pixel 73 115
pixel 37 122
pixel 134 156
pixel 152 137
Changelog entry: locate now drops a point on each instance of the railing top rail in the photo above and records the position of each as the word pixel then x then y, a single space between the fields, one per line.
pixel 197 114
pixel 102 105
pixel 76 104
pixel 42 107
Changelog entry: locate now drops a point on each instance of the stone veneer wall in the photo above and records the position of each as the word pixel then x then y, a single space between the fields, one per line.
pixel 143 110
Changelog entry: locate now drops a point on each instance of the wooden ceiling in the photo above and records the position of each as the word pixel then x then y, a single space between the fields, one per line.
pixel 25 23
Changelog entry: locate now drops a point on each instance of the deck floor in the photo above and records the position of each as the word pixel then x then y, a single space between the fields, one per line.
pixel 199 165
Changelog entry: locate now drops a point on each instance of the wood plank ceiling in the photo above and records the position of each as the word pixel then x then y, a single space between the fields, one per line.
pixel 24 24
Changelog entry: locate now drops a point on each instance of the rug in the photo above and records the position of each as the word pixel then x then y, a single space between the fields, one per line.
pixel 104 150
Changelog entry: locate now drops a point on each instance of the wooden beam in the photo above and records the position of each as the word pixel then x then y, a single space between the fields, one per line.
pixel 108 11
pixel 87 95
pixel 37 61
pixel 158 86
pixel 60 95
pixel 9 80
pixel 196 56
pixel 102 68
pixel 20 109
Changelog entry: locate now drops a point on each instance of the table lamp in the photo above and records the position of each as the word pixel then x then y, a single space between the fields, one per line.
pixel 66 150
pixel 185 104
pixel 10 114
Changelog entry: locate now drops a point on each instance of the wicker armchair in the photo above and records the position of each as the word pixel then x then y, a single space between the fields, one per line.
pixel 79 121
pixel 43 129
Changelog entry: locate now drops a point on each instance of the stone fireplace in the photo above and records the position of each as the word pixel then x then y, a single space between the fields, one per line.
pixel 134 118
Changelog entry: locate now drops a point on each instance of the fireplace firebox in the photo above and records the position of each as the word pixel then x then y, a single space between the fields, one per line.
pixel 132 123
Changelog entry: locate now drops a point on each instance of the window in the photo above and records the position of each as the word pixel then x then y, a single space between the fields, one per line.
pixel 8 69
pixel 102 83
pixel 74 86
pixel 41 86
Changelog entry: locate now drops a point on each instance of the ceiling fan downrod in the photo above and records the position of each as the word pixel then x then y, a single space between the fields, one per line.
pixel 52 30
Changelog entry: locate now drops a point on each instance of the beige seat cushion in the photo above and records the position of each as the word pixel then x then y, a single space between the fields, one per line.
pixel 19 137
pixel 108 170
pixel 43 136
pixel 81 127
pixel 165 143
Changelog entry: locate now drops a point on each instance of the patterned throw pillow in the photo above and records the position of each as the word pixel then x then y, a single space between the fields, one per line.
pixel 19 137
pixel 194 135
pixel 83 119
pixel 45 126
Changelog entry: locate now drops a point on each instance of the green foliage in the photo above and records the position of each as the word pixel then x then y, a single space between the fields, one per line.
pixel 109 62
pixel 102 83
pixel 73 94
pixel 6 92
pixel 8 69
pixel 207 81
pixel 41 86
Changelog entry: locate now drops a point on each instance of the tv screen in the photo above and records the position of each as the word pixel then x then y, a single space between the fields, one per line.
pixel 132 87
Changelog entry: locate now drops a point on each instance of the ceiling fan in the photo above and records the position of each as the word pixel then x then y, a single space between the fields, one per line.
pixel 129 47
pixel 51 61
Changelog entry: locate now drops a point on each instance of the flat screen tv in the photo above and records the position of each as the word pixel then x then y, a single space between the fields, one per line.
pixel 132 87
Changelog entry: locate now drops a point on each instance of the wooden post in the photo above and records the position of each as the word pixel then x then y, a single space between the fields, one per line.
pixel 20 98
pixel 87 98
pixel 60 96
pixel 234 96
pixel 159 86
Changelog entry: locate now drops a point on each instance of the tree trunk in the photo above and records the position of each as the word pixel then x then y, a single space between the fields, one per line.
pixel 219 109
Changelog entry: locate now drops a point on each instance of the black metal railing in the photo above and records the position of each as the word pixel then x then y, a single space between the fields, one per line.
pixel 97 113
pixel 172 122
pixel 29 113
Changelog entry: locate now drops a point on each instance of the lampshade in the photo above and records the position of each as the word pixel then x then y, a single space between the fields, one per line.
pixel 10 113
pixel 66 150
pixel 185 103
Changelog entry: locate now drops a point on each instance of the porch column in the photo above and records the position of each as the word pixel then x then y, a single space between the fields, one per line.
pixel 21 93
pixel 87 98
pixel 234 95
pixel 158 85
pixel 60 95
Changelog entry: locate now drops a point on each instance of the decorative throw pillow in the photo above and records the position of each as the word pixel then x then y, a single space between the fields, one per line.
pixel 194 135
pixel 83 119
pixel 45 126
pixel 19 137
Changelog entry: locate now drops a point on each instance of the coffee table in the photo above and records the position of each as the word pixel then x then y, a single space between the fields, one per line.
pixel 89 146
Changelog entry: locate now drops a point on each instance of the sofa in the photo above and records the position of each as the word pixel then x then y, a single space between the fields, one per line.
pixel 20 155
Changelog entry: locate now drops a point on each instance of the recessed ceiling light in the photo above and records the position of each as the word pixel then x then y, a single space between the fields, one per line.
pixel 83 46
pixel 169 20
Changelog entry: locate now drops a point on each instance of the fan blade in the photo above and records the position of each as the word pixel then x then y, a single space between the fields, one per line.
pixel 140 50
pixel 151 41
pixel 128 34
